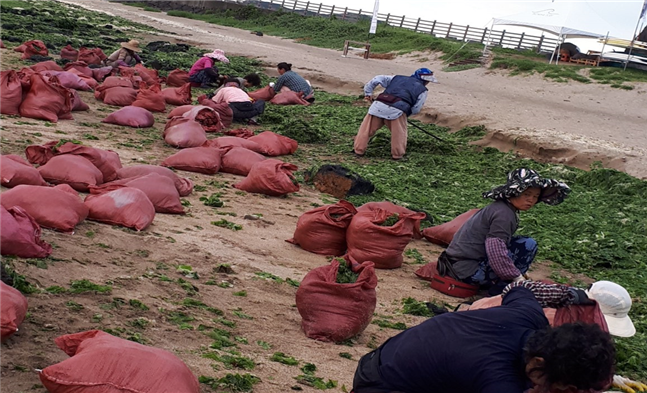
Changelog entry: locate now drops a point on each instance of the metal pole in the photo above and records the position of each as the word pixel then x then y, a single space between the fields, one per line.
pixel 541 41
pixel 425 131
pixel 602 50
pixel 633 39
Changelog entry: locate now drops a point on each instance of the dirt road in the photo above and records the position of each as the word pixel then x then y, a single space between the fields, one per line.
pixel 572 122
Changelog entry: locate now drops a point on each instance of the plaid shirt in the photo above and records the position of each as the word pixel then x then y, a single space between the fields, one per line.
pixel 502 265
pixel 294 82
pixel 548 295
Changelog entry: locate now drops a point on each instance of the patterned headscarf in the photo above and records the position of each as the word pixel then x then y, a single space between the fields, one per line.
pixel 553 192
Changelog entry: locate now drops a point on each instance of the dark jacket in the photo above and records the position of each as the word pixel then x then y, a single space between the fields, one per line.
pixel 406 88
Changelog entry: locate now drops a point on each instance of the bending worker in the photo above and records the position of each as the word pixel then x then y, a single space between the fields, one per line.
pixel 404 96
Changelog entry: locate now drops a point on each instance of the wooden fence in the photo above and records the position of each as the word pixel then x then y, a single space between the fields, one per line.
pixel 467 33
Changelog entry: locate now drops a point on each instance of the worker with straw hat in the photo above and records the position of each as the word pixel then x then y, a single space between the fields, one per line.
pixel 126 56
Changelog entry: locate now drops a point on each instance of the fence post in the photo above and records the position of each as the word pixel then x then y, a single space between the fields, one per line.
pixel 541 41
pixel 433 25
pixel 387 18
pixel 332 12
pixel 520 41
pixel 294 6
pixel 319 10
pixel 483 37
pixel 415 30
pixel 501 39
pixel 306 10
pixel 283 4
pixel 344 16
pixel 449 30
pixel 402 21
pixel 465 35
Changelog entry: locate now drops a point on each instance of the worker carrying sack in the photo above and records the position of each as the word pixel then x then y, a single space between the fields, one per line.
pixel 102 363
pixel 13 309
pixel 323 230
pixel 380 236
pixel 20 234
pixel 270 177
pixel 335 312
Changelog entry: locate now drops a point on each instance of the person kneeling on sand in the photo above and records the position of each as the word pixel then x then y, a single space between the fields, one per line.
pixel 404 96
pixel 126 56
pixel 485 251
pixel 506 349
pixel 244 108
pixel 204 71
pixel 291 81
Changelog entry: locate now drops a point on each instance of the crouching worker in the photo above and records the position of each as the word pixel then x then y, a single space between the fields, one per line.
pixel 291 81
pixel 243 107
pixel 404 96
pixel 126 56
pixel 204 71
pixel 485 251
pixel 507 349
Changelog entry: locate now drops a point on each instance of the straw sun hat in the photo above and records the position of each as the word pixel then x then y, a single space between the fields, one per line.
pixel 133 45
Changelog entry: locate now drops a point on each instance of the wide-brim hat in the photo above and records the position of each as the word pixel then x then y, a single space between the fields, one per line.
pixel 615 303
pixel 133 45
pixel 217 54
pixel 553 192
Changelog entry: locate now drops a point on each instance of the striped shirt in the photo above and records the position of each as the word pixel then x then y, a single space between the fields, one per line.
pixel 294 82
pixel 548 295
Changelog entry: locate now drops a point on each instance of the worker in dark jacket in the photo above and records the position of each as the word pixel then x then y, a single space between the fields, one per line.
pixel 403 96
pixel 506 349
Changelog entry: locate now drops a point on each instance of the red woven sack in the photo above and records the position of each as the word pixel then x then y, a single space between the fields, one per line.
pixel 114 81
pixel 369 241
pixel 266 93
pixel 232 141
pixel 182 132
pixel 103 363
pixel 100 73
pixel 79 66
pixel 69 53
pixel 183 185
pixel 178 96
pixel 245 133
pixel 225 112
pixel 13 309
pixel 107 161
pixel 131 116
pixel 10 93
pixel 444 233
pixel 40 154
pixel 49 65
pixel 273 144
pixel 126 206
pixel 177 78
pixel 47 100
pixel 270 177
pixel 76 171
pixel 336 312
pixel 208 118
pixel 179 111
pixel 52 207
pixel 239 161
pixel 158 188
pixel 15 171
pixel 77 102
pixel 68 80
pixel 148 75
pixel 589 313
pixel 289 98
pixel 427 271
pixel 150 98
pixel 91 56
pixel 20 235
pixel 120 96
pixel 323 230
pixel 32 48
pixel 2 45
pixel 205 160
pixel 392 208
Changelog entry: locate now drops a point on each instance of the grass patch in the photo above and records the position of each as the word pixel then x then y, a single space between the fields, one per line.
pixel 308 378
pixel 383 323
pixel 212 200
pixel 231 382
pixel 227 224
pixel 413 307
pixel 280 357
pixel 193 303
pixel 85 286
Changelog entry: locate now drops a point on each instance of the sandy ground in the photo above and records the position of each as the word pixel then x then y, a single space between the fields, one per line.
pixel 142 266
pixel 574 123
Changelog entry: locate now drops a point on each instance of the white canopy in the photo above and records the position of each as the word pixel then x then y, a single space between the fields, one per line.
pixel 566 19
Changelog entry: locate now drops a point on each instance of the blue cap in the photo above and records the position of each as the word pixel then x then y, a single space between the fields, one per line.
pixel 425 74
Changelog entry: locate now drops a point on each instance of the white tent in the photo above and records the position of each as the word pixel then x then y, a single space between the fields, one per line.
pixel 565 19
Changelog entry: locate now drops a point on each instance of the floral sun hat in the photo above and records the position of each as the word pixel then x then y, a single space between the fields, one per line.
pixel 553 192
pixel 217 54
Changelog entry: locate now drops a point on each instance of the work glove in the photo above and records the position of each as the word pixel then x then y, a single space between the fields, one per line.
pixel 580 297
pixel 627 385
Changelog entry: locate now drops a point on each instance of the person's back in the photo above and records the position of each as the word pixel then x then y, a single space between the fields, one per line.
pixel 229 94
pixel 474 351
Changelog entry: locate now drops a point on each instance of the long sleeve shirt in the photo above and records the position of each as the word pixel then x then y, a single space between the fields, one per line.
pixel 384 111
pixel 201 64
pixel 548 295
pixel 230 94
pixel 294 82
pixel 499 260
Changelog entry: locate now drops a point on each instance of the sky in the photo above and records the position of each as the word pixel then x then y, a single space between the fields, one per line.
pixel 619 16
